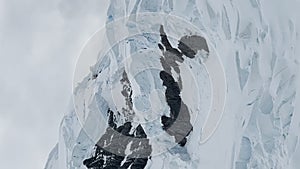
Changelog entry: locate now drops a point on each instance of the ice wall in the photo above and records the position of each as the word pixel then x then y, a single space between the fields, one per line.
pixel 258 45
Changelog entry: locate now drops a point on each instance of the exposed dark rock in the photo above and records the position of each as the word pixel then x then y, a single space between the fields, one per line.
pixel 127 93
pixel 178 123
pixel 190 45
pixel 168 46
pixel 114 141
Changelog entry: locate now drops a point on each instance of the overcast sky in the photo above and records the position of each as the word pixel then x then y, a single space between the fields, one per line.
pixel 39 44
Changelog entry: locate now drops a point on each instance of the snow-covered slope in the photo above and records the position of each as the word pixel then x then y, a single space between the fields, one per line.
pixel 136 83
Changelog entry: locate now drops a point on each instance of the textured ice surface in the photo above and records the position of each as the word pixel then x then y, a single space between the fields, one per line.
pixel 258 45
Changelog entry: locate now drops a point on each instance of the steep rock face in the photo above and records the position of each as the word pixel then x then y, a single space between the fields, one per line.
pixel 258 49
pixel 113 141
pixel 179 118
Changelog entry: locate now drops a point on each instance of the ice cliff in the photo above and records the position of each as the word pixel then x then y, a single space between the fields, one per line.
pixel 257 43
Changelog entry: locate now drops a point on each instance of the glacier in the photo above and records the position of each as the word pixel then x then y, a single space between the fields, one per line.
pixel 257 44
